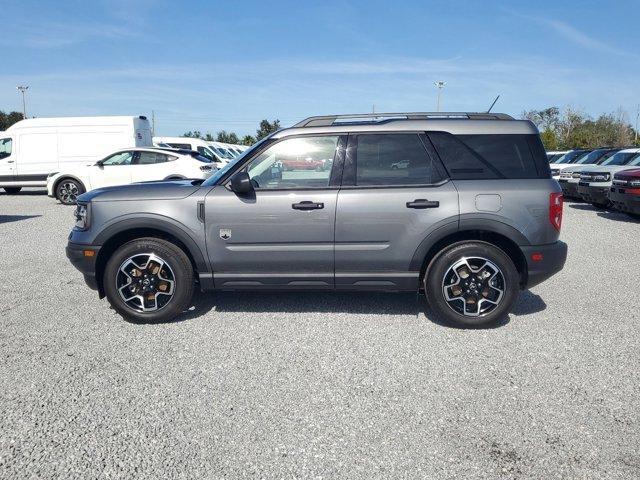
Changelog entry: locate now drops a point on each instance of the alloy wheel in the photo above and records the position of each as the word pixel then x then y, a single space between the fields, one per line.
pixel 145 282
pixel 473 286
pixel 68 192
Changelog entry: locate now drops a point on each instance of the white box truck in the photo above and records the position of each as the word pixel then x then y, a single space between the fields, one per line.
pixel 32 149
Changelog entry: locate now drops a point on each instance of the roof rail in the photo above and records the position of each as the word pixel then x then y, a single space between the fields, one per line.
pixel 326 120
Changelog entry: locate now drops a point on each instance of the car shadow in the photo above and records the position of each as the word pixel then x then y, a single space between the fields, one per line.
pixel 16 218
pixel 23 193
pixel 583 206
pixel 618 216
pixel 364 303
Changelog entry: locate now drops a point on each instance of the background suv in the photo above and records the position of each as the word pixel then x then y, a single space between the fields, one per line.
pixel 472 218
pixel 128 166
pixel 570 175
pixel 595 182
pixel 625 192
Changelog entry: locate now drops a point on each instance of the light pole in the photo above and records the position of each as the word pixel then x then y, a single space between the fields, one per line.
pixel 637 117
pixel 23 89
pixel 439 85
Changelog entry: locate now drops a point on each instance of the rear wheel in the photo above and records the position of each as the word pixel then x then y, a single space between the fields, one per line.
pixel 149 280
pixel 472 283
pixel 12 190
pixel 68 191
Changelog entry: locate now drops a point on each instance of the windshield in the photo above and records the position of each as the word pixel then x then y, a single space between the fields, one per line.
pixel 213 180
pixel 620 158
pixel 591 157
pixel 570 157
pixel 635 160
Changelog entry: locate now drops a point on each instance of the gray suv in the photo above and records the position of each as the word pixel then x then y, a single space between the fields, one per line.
pixel 461 205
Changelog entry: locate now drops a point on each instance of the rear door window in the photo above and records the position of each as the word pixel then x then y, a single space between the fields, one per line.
pixel 474 157
pixel 393 159
pixel 149 158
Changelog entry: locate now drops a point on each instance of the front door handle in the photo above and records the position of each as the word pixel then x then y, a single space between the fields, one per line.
pixel 307 205
pixel 423 203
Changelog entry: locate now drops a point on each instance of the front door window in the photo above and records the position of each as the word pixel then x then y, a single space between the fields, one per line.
pixel 295 163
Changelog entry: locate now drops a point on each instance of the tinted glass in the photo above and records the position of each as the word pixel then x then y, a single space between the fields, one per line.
pixel 571 157
pixel 180 145
pixel 591 157
pixel 393 159
pixel 620 158
pixel 148 158
pixel 471 157
pixel 304 162
pixel 121 158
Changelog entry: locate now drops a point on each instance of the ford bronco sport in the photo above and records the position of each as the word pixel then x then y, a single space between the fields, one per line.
pixel 461 205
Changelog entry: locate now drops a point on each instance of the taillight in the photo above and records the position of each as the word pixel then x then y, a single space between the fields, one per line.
pixel 555 210
pixel 632 191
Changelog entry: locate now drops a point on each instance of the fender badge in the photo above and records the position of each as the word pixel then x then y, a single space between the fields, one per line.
pixel 225 233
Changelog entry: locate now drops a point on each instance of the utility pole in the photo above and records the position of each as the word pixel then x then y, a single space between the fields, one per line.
pixel 637 117
pixel 23 89
pixel 439 85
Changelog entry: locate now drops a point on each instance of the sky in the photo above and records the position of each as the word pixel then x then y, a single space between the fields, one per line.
pixel 217 65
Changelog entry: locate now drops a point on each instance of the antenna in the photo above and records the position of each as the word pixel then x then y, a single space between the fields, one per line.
pixel 494 102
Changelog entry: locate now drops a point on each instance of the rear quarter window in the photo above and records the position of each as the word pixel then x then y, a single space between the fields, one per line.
pixel 477 157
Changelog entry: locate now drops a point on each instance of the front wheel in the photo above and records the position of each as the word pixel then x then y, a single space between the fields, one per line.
pixel 12 190
pixel 149 280
pixel 472 283
pixel 68 191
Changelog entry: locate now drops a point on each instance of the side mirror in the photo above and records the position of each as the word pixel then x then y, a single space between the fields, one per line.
pixel 241 183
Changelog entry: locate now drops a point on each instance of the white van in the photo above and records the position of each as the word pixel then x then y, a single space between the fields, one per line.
pixel 32 149
pixel 197 144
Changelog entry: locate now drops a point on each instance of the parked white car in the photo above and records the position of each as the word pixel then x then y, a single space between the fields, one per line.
pixel 32 149
pixel 199 145
pixel 129 166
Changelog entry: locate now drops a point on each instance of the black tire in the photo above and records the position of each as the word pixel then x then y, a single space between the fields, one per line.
pixel 12 190
pixel 68 190
pixel 180 269
pixel 440 269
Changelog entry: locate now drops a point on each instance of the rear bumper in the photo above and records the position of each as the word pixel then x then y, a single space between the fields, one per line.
pixel 625 201
pixel 84 262
pixel 554 256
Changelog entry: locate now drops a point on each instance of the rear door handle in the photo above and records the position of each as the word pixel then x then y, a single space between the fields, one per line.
pixel 423 203
pixel 307 205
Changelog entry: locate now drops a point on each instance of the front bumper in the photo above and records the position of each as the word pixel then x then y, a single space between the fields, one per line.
pixel 552 260
pixel 624 202
pixel 569 188
pixel 598 194
pixel 84 258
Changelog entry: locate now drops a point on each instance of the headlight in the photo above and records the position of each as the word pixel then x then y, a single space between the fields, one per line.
pixel 603 177
pixel 576 175
pixel 634 183
pixel 81 214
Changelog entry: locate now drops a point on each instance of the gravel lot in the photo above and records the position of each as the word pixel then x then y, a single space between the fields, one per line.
pixel 318 385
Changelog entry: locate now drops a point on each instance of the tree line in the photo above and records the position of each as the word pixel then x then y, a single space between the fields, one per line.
pixel 571 128
pixel 8 119
pixel 265 128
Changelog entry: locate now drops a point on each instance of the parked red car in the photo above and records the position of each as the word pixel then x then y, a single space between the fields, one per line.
pixel 625 191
